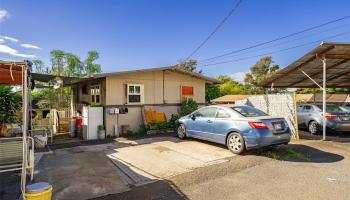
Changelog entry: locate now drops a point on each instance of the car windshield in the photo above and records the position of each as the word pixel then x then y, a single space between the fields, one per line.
pixel 334 108
pixel 248 111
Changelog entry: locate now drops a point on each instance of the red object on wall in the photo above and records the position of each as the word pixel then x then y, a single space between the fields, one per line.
pixel 187 91
pixel 79 122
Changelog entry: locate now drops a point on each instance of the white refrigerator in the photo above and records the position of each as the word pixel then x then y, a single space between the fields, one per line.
pixel 92 118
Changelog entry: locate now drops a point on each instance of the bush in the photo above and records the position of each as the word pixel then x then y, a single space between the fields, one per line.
pixel 188 107
pixel 173 119
pixel 10 104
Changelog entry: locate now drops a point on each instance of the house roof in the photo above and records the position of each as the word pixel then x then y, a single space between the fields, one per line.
pixel 170 68
pixel 230 98
pixel 337 57
pixel 73 80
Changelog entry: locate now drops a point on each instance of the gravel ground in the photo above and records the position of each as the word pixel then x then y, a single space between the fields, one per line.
pixel 308 169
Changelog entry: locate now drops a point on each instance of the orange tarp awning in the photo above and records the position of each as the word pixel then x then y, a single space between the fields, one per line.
pixel 11 73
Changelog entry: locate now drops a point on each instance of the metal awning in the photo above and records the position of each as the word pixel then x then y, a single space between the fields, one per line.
pixel 338 69
pixel 66 80
pixel 325 66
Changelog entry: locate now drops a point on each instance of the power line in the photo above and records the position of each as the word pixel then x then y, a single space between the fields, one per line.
pixel 277 39
pixel 216 28
pixel 273 52
pixel 274 45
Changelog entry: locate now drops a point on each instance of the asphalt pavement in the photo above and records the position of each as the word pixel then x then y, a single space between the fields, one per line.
pixel 306 169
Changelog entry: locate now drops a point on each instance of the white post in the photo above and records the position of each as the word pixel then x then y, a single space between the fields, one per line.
pixel 24 126
pixel 324 98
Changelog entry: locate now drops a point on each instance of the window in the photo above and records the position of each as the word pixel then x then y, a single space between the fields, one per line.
pixel 206 112
pixel 135 94
pixel 307 108
pixel 84 89
pixel 248 111
pixel 222 114
pixel 95 94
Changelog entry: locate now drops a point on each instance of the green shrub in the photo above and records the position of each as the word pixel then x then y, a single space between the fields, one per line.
pixel 10 104
pixel 173 119
pixel 188 107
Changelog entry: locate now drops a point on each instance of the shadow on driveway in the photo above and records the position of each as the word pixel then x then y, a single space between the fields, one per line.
pixel 297 153
pixel 157 190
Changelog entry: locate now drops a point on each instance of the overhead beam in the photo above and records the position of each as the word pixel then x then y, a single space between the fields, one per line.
pixel 328 68
pixel 339 75
pixel 335 56
pixel 301 65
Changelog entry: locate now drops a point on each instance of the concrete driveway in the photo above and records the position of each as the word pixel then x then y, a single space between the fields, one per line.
pixel 85 172
pixel 147 160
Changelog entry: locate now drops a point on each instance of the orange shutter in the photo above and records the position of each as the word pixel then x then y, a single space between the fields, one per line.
pixel 187 91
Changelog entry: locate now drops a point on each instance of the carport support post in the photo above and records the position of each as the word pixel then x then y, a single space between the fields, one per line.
pixel 324 97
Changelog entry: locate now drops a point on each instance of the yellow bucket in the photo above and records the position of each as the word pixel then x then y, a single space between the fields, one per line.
pixel 38 194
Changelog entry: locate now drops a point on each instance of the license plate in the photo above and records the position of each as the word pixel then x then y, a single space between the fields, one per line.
pixel 345 118
pixel 277 126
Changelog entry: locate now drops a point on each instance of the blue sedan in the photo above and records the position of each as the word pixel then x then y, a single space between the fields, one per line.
pixel 237 127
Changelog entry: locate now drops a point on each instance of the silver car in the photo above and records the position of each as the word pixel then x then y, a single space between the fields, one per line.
pixel 238 127
pixel 310 116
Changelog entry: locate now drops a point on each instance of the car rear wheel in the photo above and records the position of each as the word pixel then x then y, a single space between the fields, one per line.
pixel 235 143
pixel 313 127
pixel 181 131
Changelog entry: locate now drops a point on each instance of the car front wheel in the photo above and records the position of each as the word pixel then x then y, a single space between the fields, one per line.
pixel 181 131
pixel 235 143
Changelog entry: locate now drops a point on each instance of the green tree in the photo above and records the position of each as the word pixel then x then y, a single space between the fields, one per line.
pixel 40 67
pixel 10 102
pixel 211 92
pixel 90 66
pixel 229 86
pixel 259 72
pixel 189 65
pixel 64 64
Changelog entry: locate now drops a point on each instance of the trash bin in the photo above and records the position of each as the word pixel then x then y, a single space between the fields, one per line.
pixel 38 191
pixel 72 123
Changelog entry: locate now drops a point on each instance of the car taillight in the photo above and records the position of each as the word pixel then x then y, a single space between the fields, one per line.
pixel 329 116
pixel 258 125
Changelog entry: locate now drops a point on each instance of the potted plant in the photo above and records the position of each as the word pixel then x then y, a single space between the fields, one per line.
pixel 101 133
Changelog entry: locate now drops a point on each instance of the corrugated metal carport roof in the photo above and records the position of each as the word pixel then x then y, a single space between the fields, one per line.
pixel 338 68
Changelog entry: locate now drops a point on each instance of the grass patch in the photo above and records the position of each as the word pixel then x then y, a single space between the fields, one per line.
pixel 291 153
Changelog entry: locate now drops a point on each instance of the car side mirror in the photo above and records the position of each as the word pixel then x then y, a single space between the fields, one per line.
pixel 193 117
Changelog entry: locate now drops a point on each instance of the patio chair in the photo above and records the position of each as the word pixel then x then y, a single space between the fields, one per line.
pixel 11 155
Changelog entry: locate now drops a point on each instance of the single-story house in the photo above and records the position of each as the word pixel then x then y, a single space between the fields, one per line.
pixel 162 89
pixel 229 99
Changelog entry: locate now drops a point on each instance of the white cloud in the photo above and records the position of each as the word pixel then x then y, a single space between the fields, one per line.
pixel 2 40
pixel 9 38
pixel 8 50
pixel 238 76
pixel 4 14
pixel 30 46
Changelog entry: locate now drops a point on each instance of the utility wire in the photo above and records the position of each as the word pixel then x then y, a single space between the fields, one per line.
pixel 274 45
pixel 280 38
pixel 216 28
pixel 273 52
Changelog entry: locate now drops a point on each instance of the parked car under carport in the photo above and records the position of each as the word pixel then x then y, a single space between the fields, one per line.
pixel 310 116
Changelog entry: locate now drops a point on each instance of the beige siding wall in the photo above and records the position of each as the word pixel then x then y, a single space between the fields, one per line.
pixel 153 95
pixel 153 83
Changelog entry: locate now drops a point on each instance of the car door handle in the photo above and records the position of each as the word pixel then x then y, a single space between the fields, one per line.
pixel 209 121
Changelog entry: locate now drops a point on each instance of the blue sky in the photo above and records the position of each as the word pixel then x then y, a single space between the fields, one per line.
pixel 139 34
